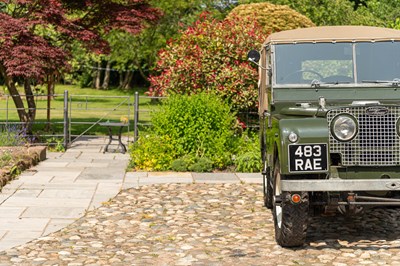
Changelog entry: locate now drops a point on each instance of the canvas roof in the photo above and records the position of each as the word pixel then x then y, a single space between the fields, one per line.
pixel 334 34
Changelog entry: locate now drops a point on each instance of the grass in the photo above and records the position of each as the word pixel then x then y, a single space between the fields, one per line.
pixel 86 107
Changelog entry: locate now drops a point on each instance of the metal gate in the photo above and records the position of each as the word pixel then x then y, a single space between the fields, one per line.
pixel 73 116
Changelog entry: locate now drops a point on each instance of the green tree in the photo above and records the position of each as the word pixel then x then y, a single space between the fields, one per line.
pixel 37 37
pixel 211 56
pixel 272 17
pixel 328 12
pixel 139 53
pixel 384 12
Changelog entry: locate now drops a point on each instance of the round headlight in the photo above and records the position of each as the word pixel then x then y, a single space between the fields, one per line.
pixel 344 127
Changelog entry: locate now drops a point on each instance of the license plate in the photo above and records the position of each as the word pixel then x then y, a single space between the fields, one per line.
pixel 308 158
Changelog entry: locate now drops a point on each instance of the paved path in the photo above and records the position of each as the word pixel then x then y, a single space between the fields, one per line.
pixel 64 187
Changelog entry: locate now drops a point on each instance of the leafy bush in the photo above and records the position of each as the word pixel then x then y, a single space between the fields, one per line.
pixel 200 125
pixel 152 153
pixel 13 136
pixel 182 164
pixel 187 127
pixel 194 164
pixel 202 165
pixel 211 56
pixel 272 17
pixel 248 156
pixel 341 12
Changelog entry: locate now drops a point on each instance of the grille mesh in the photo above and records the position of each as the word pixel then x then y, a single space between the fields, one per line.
pixel 376 142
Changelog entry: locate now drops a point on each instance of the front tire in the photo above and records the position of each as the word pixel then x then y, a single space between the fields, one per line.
pixel 290 219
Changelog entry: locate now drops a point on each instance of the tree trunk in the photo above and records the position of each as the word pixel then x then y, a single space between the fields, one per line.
pixel 50 93
pixel 98 76
pixel 106 80
pixel 127 80
pixel 121 79
pixel 30 99
pixel 19 104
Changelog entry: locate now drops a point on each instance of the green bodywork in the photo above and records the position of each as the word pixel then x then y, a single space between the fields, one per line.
pixel 310 124
pixel 294 77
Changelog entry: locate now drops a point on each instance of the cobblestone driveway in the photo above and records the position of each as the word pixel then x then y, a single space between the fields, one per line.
pixel 207 224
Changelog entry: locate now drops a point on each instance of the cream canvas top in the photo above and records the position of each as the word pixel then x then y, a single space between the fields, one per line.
pixel 334 34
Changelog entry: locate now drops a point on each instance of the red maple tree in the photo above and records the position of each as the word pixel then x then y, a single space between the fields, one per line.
pixel 36 38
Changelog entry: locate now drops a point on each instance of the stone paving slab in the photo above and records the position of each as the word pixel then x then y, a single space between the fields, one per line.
pixel 215 178
pixel 55 225
pixel 102 174
pixel 45 202
pixel 164 180
pixel 27 193
pixel 68 193
pixel 250 177
pixel 23 234
pixel 11 212
pixel 54 212
pixel 36 179
pixel 24 224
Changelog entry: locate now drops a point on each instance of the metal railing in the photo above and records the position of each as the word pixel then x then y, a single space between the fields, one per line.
pixel 79 115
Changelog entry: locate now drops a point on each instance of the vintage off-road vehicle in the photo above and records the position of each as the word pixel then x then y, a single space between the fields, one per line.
pixel 329 103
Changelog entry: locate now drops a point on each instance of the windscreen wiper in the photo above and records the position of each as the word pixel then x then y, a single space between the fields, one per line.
pixel 316 83
pixel 395 82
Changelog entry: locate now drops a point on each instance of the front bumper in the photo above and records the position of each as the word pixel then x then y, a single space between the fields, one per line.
pixel 337 185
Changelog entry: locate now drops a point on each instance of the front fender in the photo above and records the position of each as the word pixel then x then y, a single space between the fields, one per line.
pixel 309 131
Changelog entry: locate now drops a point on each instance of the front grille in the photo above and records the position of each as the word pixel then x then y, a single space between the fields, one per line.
pixel 376 142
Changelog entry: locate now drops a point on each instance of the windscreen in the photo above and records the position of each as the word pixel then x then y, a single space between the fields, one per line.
pixel 379 61
pixel 303 63
pixel 307 63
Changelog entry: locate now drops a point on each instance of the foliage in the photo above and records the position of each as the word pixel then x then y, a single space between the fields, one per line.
pixel 384 12
pixel 5 159
pixel 202 165
pixel 37 37
pixel 211 56
pixel 328 12
pixel 198 126
pixel 152 153
pixel 13 136
pixel 55 144
pixel 138 53
pixel 191 163
pixel 248 158
pixel 272 17
pixel 180 165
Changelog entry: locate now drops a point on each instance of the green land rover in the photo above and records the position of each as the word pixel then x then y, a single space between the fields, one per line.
pixel 329 105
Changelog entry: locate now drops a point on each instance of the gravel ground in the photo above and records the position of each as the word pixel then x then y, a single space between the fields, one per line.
pixel 207 224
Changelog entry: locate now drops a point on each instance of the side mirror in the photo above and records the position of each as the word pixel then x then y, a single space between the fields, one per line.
pixel 254 56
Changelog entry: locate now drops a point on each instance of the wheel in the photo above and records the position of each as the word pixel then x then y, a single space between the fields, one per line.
pixel 290 220
pixel 267 187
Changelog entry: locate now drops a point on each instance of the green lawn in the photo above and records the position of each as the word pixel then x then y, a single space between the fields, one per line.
pixel 86 106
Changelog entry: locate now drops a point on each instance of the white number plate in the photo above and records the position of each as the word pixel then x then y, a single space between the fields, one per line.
pixel 308 158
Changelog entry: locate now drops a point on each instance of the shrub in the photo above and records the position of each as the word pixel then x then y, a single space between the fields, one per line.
pixel 186 130
pixel 13 136
pixel 248 156
pixel 211 56
pixel 199 125
pixel 179 165
pixel 151 153
pixel 202 165
pixel 272 17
